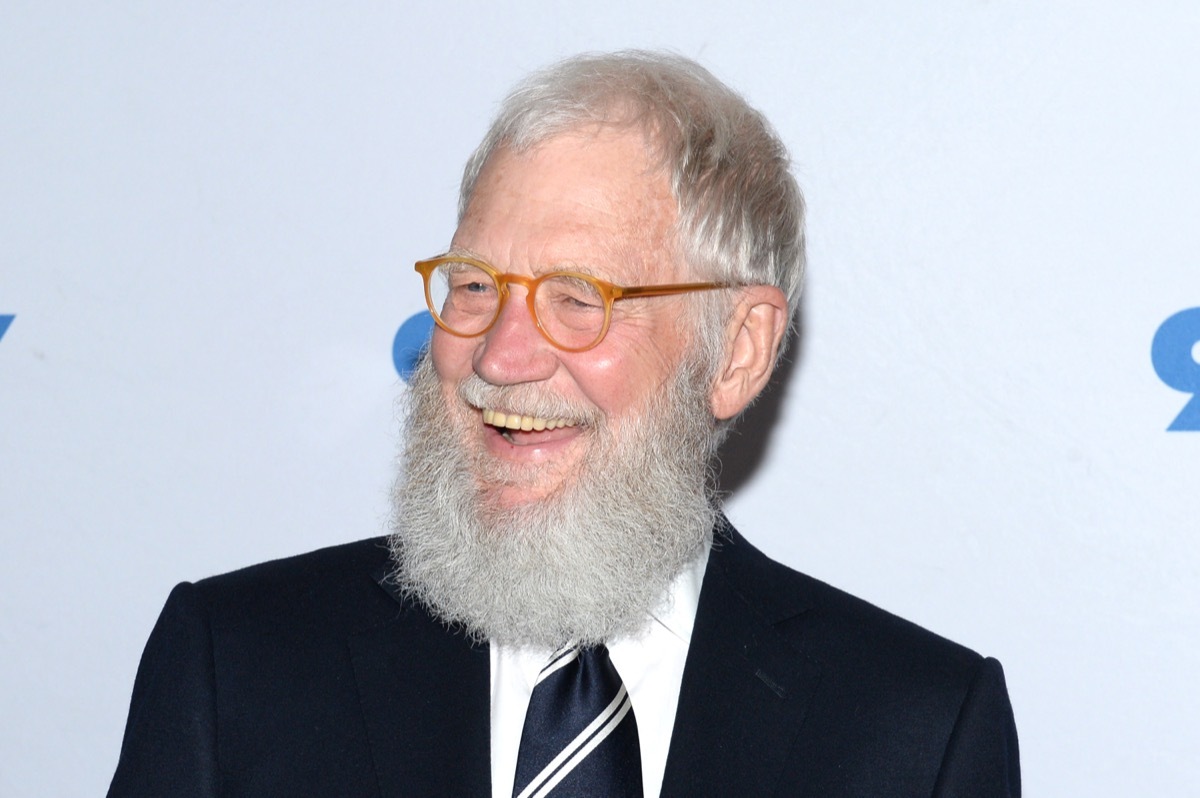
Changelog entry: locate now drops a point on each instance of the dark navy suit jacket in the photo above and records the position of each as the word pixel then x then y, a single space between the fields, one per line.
pixel 311 676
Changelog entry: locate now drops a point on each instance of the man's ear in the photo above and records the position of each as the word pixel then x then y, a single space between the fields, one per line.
pixel 753 338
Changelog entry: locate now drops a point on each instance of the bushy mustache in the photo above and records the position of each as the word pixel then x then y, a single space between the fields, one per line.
pixel 528 399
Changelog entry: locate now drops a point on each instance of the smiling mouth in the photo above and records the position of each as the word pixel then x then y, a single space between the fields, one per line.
pixel 515 422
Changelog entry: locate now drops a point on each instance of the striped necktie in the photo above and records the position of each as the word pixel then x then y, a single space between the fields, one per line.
pixel 580 737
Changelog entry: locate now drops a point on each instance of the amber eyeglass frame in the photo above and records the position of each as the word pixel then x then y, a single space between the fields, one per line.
pixel 609 292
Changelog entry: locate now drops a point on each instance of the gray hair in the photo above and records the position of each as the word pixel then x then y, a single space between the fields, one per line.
pixel 741 213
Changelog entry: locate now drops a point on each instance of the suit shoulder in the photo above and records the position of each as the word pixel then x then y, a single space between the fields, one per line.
pixel 344 558
pixel 835 625
pixel 328 582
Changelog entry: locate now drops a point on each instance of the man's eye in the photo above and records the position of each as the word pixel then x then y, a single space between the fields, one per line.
pixel 570 295
pixel 468 280
pixel 580 302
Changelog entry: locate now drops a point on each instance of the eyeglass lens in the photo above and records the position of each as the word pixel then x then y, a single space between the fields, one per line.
pixel 466 298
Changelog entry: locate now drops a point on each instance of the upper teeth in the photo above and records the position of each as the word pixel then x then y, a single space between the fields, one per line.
pixel 518 421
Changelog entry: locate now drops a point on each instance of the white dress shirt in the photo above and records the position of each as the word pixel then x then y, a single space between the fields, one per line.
pixel 651 666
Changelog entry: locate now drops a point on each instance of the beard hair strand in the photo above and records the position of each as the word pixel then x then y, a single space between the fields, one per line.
pixel 587 564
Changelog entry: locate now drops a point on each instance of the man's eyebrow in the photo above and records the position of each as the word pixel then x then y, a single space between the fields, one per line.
pixel 463 252
pixel 578 268
pixel 560 266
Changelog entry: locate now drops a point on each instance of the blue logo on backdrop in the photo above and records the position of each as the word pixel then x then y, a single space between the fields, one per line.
pixel 4 322
pixel 410 342
pixel 1171 353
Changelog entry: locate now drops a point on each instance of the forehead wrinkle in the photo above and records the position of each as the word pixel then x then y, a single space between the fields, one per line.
pixel 643 243
pixel 640 247
pixel 651 248
pixel 621 225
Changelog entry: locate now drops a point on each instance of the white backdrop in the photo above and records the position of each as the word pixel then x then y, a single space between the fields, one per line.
pixel 209 214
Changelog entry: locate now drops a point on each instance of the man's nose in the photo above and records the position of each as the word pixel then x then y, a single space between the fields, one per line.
pixel 514 350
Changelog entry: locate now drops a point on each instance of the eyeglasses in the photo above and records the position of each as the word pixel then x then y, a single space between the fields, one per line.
pixel 572 310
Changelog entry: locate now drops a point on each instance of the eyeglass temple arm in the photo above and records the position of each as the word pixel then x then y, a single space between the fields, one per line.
pixel 668 289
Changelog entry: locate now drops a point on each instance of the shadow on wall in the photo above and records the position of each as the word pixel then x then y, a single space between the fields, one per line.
pixel 742 452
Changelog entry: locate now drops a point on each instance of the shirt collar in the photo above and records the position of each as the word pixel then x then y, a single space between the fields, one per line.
pixel 675 617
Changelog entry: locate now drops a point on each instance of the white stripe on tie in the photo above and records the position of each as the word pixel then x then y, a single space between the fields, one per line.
pixel 587 749
pixel 564 659
pixel 578 748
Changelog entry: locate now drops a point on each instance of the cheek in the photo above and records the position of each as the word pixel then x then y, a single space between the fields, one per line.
pixel 624 374
pixel 451 355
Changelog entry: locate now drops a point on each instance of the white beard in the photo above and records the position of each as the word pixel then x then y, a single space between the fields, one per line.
pixel 588 563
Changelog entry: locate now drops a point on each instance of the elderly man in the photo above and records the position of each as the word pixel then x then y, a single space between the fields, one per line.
pixel 560 608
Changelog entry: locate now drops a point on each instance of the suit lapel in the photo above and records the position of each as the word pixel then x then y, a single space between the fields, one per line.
pixel 745 688
pixel 424 693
